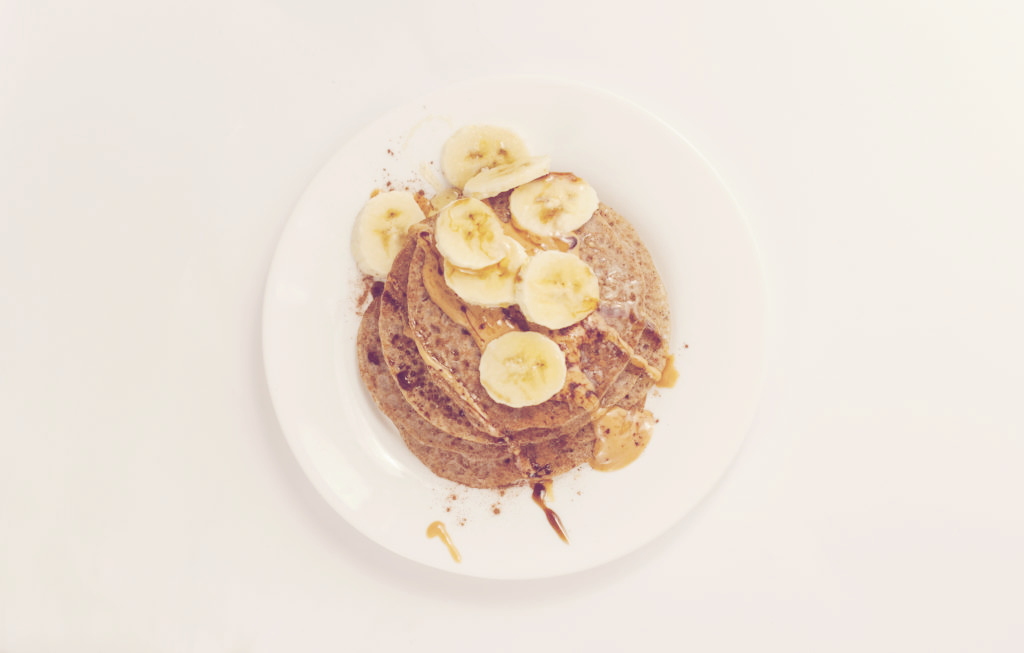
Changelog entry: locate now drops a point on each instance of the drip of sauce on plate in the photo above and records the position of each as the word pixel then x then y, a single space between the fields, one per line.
pixel 540 491
pixel 437 529
pixel 669 375
pixel 621 436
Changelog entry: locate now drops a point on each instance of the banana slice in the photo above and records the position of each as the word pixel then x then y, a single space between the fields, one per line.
pixel 554 205
pixel 557 289
pixel 469 234
pixel 522 368
pixel 381 229
pixel 490 182
pixel 475 147
pixel 494 285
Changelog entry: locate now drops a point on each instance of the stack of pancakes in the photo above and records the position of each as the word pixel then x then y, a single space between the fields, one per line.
pixel 421 366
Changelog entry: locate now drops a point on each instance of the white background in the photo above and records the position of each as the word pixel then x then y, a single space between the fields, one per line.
pixel 149 158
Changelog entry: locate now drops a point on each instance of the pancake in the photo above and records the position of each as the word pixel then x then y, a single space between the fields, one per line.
pixel 421 365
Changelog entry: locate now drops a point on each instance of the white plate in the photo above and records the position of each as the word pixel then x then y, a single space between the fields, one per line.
pixel 706 256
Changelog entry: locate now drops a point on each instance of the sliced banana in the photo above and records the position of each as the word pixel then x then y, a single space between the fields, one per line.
pixel 492 181
pixel 469 234
pixel 557 289
pixel 554 205
pixel 522 368
pixel 494 285
pixel 475 147
pixel 381 230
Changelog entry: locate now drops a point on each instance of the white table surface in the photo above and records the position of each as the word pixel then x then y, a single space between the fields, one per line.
pixel 149 158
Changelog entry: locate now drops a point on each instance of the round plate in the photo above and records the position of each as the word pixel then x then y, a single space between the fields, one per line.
pixel 700 244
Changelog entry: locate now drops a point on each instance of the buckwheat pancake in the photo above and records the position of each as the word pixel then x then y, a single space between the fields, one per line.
pixel 419 356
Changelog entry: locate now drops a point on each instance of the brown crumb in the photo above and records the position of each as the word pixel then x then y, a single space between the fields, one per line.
pixel 375 192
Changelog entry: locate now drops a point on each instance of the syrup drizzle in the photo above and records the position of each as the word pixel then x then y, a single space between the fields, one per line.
pixel 540 490
pixel 437 529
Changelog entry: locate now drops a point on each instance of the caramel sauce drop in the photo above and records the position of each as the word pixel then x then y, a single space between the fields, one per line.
pixel 540 490
pixel 437 529
pixel 621 436
pixel 669 375
pixel 444 198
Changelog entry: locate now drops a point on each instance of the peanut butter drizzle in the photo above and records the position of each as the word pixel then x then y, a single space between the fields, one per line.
pixel 669 375
pixel 533 243
pixel 621 436
pixel 483 323
pixel 437 529
pixel 540 490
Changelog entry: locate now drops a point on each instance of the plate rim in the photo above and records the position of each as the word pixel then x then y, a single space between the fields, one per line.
pixel 303 456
